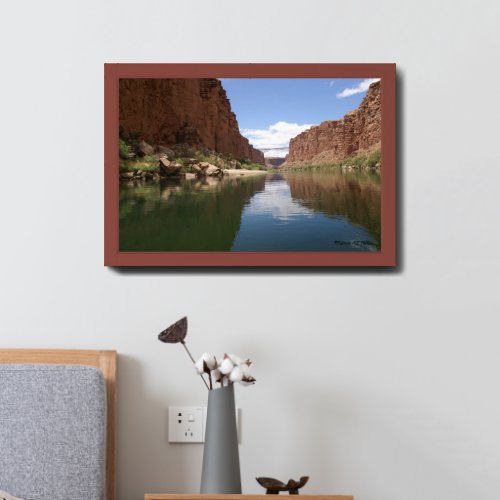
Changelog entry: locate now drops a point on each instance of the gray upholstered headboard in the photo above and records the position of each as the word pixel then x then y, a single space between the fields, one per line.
pixel 52 432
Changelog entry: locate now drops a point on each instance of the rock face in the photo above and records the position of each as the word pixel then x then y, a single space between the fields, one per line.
pixel 359 131
pixel 275 162
pixel 168 168
pixel 144 149
pixel 190 111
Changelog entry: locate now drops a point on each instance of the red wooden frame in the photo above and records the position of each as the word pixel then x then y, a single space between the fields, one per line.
pixel 385 257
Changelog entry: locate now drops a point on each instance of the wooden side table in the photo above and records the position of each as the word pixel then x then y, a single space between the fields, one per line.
pixel 173 496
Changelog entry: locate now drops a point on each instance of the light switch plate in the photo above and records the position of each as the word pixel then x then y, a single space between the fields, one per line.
pixel 186 424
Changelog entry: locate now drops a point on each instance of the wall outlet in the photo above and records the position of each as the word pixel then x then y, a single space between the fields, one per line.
pixel 186 424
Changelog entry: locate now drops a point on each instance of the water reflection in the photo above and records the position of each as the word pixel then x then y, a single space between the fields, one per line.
pixel 183 215
pixel 299 211
pixel 355 196
pixel 275 202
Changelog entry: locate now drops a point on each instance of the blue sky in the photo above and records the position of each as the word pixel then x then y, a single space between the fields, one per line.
pixel 270 111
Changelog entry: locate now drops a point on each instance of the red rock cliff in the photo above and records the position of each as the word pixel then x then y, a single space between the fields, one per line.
pixel 357 132
pixel 192 111
pixel 274 162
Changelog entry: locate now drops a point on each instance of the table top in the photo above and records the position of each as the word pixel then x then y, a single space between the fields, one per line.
pixel 179 496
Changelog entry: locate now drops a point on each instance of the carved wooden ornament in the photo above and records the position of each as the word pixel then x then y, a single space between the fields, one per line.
pixel 274 486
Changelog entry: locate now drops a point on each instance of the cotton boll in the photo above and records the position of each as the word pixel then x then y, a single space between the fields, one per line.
pixel 209 360
pixel 199 366
pixel 226 366
pixel 245 369
pixel 235 359
pixel 216 375
pixel 236 374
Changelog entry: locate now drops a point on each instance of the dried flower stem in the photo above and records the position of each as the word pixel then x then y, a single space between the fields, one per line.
pixel 192 359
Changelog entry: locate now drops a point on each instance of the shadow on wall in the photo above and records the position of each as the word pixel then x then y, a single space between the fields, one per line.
pixel 145 460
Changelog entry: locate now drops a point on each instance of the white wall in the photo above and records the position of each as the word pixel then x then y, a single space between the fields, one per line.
pixel 395 389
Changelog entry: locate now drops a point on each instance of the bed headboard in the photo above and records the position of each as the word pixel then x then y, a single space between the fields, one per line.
pixel 106 362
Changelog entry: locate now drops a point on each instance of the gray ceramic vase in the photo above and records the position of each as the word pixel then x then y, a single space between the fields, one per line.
pixel 221 461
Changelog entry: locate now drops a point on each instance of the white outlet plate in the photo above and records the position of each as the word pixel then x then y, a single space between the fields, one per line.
pixel 186 424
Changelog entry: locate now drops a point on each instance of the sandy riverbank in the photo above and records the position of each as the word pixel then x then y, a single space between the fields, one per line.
pixel 242 171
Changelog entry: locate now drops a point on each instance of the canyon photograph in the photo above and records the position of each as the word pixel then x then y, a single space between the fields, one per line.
pixel 250 164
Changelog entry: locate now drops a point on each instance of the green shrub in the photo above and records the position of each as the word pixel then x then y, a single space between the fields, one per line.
pixel 139 165
pixel 201 156
pixel 362 161
pixel 366 160
pixel 253 166
pixel 125 150
pixel 373 158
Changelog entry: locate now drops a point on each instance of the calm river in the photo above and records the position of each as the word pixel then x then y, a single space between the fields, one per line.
pixel 293 211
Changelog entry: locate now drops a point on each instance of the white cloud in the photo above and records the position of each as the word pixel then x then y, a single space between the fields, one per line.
pixel 332 83
pixel 274 140
pixel 276 153
pixel 361 87
pixel 275 201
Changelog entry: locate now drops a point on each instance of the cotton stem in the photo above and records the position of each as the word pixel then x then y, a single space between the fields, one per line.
pixel 192 359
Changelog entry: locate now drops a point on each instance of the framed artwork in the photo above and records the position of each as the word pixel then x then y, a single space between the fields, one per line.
pixel 250 165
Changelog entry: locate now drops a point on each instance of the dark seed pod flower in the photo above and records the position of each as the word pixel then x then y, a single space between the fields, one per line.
pixel 175 333
pixel 229 370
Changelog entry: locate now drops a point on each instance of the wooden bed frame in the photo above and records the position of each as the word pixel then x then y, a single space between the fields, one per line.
pixel 105 361
pixel 159 496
